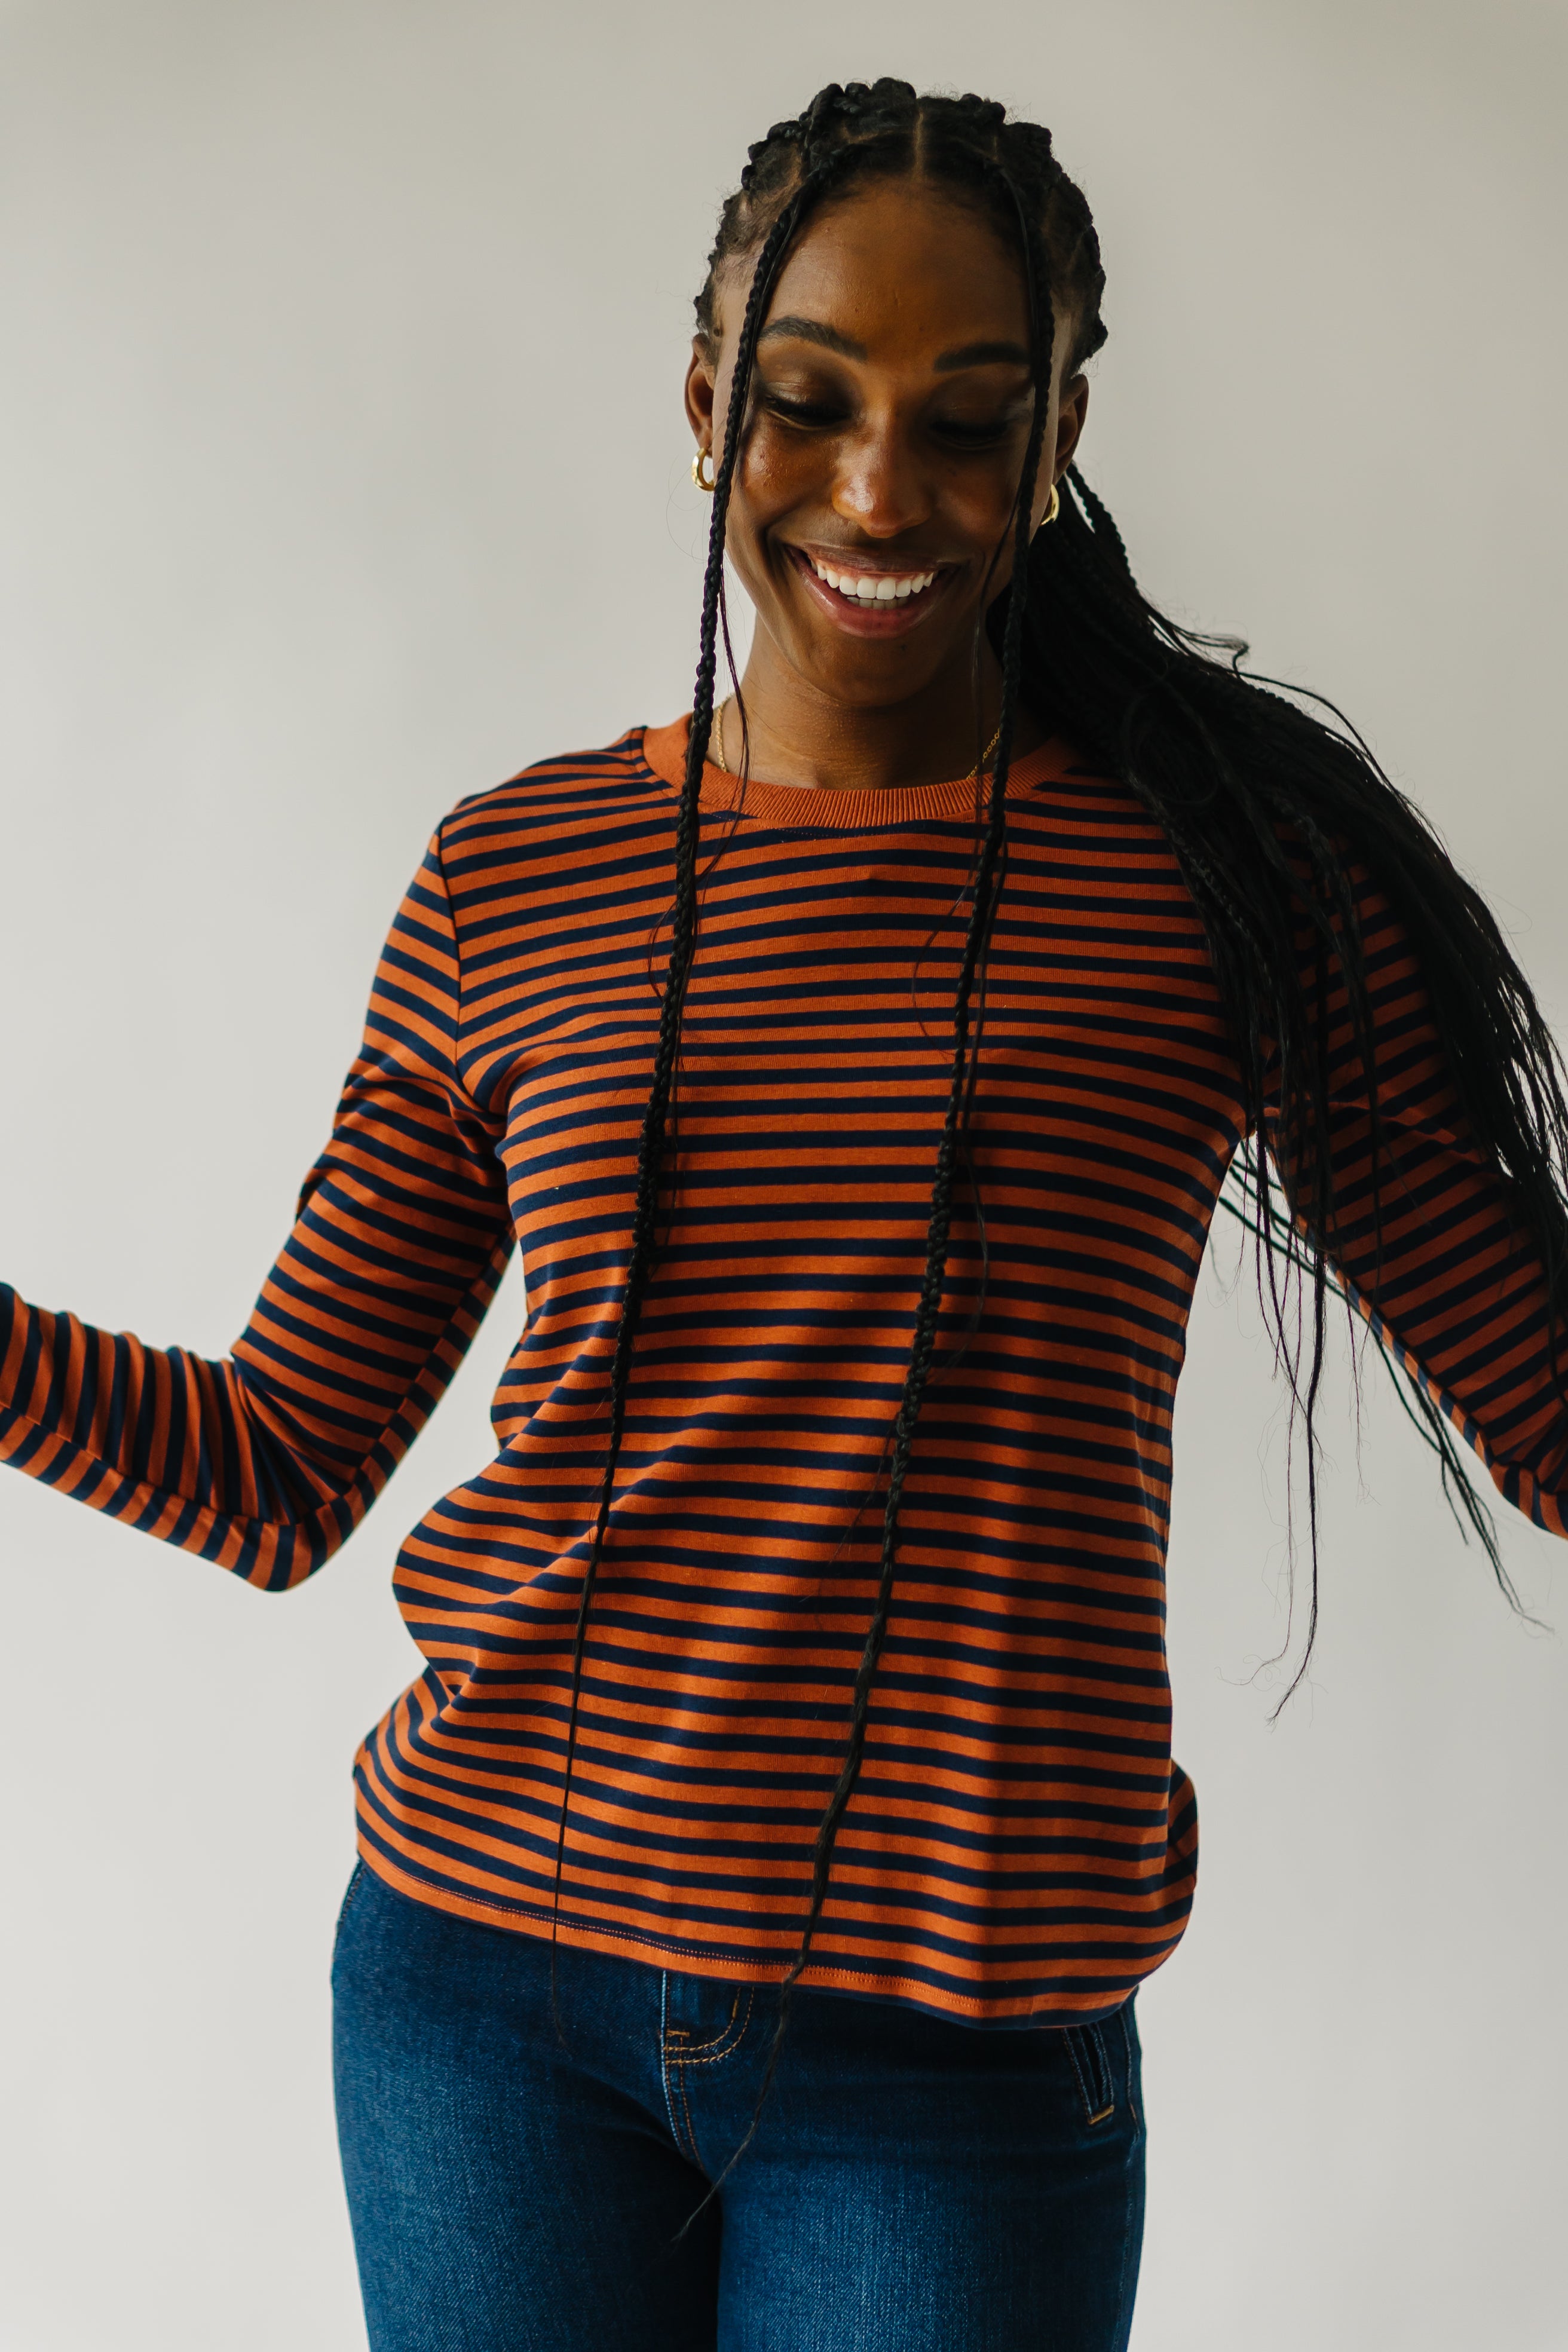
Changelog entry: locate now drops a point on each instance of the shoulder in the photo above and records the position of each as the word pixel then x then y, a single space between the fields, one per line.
pixel 555 811
pixel 572 788
pixel 1060 798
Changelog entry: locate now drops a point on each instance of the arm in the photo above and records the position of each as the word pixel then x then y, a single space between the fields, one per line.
pixel 1455 1290
pixel 268 1460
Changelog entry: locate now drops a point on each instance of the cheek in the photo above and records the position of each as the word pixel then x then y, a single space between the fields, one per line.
pixel 781 471
pixel 981 503
pixel 990 491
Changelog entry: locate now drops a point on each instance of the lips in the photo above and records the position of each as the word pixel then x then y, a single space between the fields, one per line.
pixel 858 587
pixel 877 603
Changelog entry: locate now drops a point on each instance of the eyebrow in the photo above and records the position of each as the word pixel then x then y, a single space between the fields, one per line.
pixel 985 355
pixel 815 331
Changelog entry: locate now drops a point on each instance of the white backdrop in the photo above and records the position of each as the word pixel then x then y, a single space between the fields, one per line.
pixel 343 472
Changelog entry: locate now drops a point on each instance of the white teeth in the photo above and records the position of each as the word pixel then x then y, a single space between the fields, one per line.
pixel 878 588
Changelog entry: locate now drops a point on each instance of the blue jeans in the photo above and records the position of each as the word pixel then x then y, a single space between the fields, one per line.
pixel 915 2185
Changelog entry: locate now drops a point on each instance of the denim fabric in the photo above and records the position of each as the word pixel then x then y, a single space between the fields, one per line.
pixel 915 2185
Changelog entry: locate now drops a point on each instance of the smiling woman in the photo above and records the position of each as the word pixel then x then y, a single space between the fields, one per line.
pixel 892 408
pixel 755 1886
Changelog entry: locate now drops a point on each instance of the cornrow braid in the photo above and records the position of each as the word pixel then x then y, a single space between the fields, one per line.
pixel 962 142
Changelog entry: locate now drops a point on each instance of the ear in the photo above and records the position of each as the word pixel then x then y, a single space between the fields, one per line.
pixel 700 378
pixel 1070 416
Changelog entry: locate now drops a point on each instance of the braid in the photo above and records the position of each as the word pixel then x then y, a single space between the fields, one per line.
pixel 977 939
pixel 884 128
pixel 682 949
pixel 987 880
pixel 1269 811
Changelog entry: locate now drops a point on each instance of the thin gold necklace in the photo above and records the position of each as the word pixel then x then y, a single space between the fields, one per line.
pixel 716 745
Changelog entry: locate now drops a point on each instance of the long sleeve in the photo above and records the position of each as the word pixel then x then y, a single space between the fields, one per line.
pixel 1452 1284
pixel 266 1461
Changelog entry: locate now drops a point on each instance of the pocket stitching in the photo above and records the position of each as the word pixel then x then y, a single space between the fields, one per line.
pixel 1127 2040
pixel 1103 2090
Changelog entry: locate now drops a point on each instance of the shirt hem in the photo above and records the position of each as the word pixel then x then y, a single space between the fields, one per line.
pixel 654 1951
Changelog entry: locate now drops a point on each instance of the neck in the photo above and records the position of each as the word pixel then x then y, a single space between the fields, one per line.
pixel 801 736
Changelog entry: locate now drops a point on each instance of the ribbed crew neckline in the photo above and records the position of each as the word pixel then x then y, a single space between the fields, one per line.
pixel 664 749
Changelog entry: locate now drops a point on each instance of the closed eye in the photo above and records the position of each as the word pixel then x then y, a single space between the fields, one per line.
pixel 801 412
pixel 974 435
pixel 818 415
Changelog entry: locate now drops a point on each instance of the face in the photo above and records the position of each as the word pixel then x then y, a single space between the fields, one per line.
pixel 871 514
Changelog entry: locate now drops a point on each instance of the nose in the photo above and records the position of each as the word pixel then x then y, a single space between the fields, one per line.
pixel 879 485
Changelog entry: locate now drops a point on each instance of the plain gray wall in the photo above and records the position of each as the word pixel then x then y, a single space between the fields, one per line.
pixel 343 472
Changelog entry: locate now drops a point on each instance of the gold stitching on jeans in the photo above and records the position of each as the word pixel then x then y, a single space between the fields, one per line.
pixel 699 2047
pixel 690 2126
pixel 1098 2064
pixel 711 2052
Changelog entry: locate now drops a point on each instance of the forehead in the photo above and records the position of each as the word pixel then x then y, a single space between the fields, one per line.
pixel 901 267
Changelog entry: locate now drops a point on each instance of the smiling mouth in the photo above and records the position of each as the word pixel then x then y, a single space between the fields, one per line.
pixel 872 603
pixel 865 588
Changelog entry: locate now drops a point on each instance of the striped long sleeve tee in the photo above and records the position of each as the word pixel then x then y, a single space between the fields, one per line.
pixel 1020 1845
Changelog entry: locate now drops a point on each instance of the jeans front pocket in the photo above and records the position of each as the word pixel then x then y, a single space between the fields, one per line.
pixel 1091 2063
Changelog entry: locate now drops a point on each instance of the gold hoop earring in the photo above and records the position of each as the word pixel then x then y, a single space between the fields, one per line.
pixel 697 471
pixel 1053 508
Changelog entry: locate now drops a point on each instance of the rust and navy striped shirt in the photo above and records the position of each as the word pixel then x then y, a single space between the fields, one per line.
pixel 1020 1843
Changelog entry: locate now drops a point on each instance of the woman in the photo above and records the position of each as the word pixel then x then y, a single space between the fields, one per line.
pixel 754 1887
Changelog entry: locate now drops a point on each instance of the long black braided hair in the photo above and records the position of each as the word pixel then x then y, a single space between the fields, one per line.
pixel 1273 815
